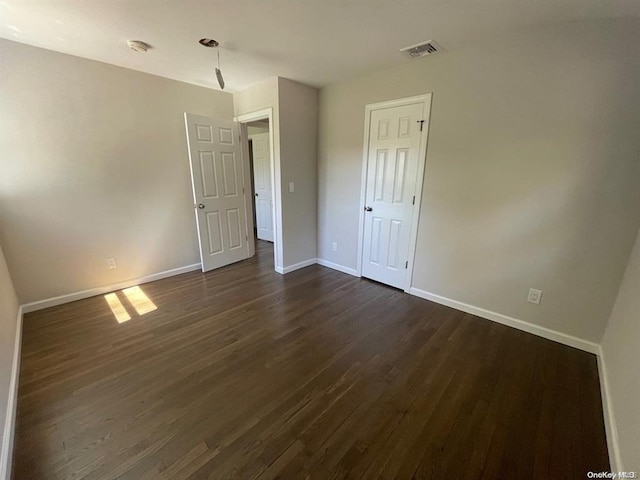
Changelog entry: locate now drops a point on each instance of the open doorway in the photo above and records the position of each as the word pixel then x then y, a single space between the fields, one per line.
pixel 261 181
pixel 257 133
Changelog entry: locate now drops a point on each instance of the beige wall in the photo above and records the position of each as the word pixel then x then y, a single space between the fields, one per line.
pixel 261 97
pixel 295 145
pixel 94 164
pixel 8 318
pixel 298 150
pixel 532 170
pixel 256 130
pixel 621 352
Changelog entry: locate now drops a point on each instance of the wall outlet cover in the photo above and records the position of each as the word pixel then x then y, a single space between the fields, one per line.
pixel 534 296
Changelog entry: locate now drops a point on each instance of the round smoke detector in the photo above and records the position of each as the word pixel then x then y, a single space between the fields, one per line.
pixel 138 46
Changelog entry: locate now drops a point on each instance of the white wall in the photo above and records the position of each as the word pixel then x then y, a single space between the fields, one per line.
pixel 8 319
pixel 621 353
pixel 532 170
pixel 94 164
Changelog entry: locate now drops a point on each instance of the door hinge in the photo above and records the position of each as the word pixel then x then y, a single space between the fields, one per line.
pixel 413 202
pixel 421 122
pixel 406 264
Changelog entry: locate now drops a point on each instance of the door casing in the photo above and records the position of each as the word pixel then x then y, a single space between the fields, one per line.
pixel 422 154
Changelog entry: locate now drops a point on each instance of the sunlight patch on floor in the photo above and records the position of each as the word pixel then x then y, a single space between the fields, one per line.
pixel 139 300
pixel 136 298
pixel 117 308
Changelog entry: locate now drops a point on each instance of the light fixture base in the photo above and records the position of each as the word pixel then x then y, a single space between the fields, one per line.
pixel 138 46
pixel 208 42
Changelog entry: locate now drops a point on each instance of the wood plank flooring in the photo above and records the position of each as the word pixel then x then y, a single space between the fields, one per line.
pixel 242 373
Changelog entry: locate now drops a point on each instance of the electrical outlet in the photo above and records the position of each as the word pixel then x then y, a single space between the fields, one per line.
pixel 334 246
pixel 534 296
pixel 111 263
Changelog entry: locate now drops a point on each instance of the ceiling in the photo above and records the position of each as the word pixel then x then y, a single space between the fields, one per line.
pixel 316 42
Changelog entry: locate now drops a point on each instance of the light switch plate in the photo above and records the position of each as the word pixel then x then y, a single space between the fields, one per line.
pixel 291 187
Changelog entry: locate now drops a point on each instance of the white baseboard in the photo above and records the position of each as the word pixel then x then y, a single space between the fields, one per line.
pixel 319 261
pixel 297 266
pixel 340 268
pixel 12 404
pixel 544 332
pixel 92 292
pixel 609 417
pixel 587 346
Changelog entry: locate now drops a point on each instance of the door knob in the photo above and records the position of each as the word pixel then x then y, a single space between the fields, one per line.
pixel 201 206
pixel 368 209
pixel 255 194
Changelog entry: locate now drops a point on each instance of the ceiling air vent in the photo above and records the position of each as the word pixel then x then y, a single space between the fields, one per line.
pixel 421 49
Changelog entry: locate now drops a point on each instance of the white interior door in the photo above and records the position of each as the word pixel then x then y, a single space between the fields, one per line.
pixel 216 175
pixel 394 145
pixel 262 185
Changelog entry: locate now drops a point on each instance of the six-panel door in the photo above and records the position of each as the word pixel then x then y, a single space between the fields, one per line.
pixel 394 143
pixel 216 174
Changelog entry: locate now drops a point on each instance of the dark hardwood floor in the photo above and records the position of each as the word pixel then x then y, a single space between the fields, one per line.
pixel 243 373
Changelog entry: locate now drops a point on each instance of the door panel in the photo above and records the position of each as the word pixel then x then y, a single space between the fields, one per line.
pixel 376 240
pixel 262 185
pixel 394 143
pixel 214 232
pixel 235 228
pixel 229 163
pixel 395 229
pixel 208 168
pixel 216 174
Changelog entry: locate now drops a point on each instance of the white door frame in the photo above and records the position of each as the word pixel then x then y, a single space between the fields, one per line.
pixel 267 113
pixel 422 156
